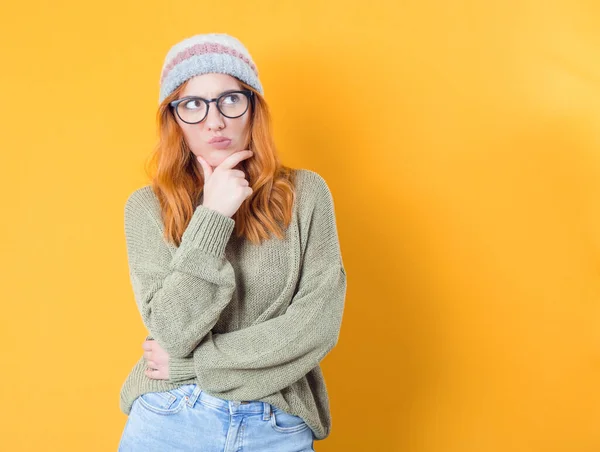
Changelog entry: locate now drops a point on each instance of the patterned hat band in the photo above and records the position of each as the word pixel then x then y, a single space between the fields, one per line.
pixel 203 54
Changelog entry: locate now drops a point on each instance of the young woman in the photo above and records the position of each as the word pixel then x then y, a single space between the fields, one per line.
pixel 236 270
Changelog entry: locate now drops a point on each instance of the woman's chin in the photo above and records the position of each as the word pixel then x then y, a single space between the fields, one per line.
pixel 218 156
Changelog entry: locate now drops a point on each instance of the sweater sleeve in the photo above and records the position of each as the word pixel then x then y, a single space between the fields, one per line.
pixel 179 295
pixel 262 359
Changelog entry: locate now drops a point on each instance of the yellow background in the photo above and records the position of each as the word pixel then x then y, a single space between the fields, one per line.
pixel 461 142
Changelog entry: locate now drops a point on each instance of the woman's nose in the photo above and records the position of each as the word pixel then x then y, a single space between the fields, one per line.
pixel 214 119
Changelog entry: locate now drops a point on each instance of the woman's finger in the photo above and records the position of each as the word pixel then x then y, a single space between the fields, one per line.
pixel 206 169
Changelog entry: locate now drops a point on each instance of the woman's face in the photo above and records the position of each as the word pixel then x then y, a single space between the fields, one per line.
pixel 198 136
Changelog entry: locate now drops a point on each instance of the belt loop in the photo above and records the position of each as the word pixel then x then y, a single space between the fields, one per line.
pixel 194 396
pixel 266 411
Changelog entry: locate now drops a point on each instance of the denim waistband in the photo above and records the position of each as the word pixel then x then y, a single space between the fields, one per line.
pixel 194 393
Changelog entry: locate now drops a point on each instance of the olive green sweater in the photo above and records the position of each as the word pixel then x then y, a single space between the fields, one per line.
pixel 242 321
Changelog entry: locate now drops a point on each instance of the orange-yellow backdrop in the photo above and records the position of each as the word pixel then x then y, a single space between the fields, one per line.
pixel 461 142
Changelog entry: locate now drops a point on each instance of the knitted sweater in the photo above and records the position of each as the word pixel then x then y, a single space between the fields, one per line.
pixel 242 321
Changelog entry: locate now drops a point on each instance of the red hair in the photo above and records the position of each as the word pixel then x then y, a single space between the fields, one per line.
pixel 178 182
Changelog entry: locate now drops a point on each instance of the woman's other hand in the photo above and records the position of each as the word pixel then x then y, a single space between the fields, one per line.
pixel 157 360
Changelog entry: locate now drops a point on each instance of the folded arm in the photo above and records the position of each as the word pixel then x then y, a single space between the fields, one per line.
pixel 179 296
pixel 262 359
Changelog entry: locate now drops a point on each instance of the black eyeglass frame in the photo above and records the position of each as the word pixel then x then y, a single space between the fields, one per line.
pixel 246 92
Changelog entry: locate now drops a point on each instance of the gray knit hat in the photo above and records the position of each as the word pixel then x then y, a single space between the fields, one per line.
pixel 207 53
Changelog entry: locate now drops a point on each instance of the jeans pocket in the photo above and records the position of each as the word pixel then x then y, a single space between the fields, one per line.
pixel 164 402
pixel 284 422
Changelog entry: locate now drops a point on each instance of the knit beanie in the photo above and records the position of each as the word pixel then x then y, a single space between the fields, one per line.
pixel 207 53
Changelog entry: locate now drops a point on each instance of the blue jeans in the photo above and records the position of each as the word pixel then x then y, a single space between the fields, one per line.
pixel 188 419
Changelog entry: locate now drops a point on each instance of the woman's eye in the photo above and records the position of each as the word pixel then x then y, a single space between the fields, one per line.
pixel 193 104
pixel 232 98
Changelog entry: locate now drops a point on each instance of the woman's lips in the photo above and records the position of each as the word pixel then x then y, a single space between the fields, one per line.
pixel 221 144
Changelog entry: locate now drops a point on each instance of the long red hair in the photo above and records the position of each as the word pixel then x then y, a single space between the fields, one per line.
pixel 178 181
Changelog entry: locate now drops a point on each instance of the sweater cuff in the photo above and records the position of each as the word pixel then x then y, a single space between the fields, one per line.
pixel 181 369
pixel 209 231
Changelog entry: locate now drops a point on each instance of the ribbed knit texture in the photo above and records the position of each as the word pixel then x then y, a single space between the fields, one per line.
pixel 204 54
pixel 242 321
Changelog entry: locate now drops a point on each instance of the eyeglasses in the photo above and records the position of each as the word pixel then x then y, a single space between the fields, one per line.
pixel 231 104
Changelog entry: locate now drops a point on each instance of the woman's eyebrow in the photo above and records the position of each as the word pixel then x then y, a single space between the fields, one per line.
pixel 214 97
